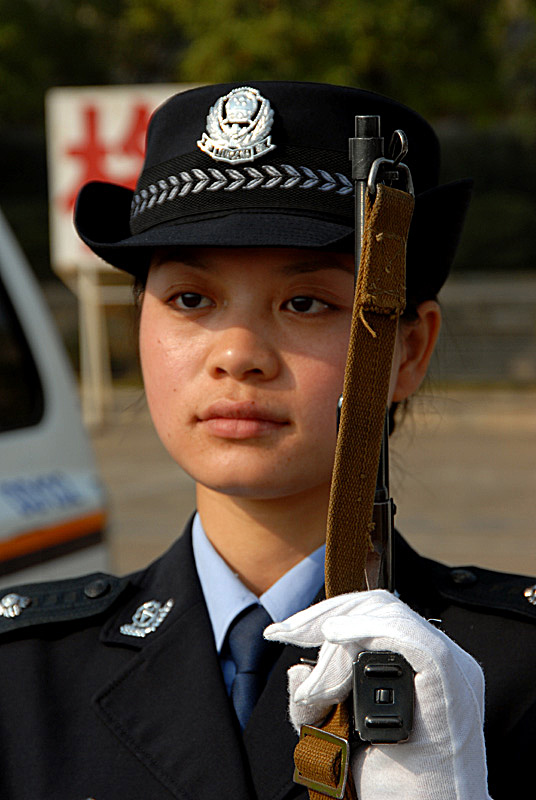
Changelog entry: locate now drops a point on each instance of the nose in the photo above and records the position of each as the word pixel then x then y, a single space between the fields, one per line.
pixel 243 353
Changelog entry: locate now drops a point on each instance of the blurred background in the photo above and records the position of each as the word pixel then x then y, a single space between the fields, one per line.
pixel 463 460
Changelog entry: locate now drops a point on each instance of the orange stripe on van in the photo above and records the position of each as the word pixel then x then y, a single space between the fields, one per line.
pixel 50 536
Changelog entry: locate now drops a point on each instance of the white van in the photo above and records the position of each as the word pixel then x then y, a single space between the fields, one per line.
pixel 52 505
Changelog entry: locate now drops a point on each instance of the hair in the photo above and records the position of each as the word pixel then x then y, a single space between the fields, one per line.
pixel 138 288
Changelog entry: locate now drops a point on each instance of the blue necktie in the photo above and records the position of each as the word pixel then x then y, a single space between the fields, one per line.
pixel 253 657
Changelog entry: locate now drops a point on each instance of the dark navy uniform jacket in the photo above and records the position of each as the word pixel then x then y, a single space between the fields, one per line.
pixel 87 711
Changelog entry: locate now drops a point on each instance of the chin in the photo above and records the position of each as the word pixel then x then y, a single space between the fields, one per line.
pixel 232 484
pixel 268 484
pixel 248 492
pixel 255 473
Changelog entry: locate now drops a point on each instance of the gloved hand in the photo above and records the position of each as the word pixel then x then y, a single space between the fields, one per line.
pixel 444 758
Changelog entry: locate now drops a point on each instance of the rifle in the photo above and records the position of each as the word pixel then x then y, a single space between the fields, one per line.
pixel 369 165
pixel 359 551
pixel 379 679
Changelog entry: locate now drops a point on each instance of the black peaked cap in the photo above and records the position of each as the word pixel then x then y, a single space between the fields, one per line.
pixel 284 181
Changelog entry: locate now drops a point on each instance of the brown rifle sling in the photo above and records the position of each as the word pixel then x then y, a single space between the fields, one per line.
pixel 379 300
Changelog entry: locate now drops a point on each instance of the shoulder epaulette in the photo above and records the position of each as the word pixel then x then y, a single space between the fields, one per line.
pixel 58 601
pixel 483 588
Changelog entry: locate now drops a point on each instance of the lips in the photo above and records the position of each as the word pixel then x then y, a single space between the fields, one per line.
pixel 241 420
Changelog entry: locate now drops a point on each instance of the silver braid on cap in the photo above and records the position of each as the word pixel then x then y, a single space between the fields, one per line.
pixel 269 176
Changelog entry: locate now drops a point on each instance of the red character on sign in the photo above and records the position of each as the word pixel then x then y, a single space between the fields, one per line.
pixel 94 151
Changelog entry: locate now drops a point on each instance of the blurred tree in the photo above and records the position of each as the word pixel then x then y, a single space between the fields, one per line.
pixel 468 64
pixel 513 33
pixel 438 55
pixel 462 57
pixel 47 43
pixel 44 42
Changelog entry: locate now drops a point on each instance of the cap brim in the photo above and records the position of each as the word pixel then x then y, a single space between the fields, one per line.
pixel 103 211
pixel 100 203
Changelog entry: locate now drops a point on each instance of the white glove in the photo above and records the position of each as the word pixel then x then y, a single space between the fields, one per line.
pixel 444 758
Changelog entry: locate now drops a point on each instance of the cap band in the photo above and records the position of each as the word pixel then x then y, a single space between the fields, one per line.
pixel 296 179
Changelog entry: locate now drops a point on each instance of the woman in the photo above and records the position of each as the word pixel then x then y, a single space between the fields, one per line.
pixel 240 236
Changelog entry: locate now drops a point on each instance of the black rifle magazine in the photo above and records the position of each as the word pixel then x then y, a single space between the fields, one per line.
pixel 383 697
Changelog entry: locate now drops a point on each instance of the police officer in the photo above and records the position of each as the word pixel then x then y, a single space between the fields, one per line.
pixel 240 234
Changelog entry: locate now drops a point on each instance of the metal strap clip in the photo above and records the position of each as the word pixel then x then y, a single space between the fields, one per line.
pixel 391 170
pixel 318 786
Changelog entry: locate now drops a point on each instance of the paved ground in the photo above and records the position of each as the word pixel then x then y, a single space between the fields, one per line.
pixel 463 476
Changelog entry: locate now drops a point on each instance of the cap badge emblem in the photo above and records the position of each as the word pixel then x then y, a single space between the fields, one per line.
pixel 147 618
pixel 12 605
pixel 238 127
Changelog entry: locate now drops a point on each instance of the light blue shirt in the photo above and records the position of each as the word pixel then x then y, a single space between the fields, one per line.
pixel 226 596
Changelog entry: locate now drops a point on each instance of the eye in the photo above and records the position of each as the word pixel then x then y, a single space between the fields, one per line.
pixel 306 305
pixel 191 300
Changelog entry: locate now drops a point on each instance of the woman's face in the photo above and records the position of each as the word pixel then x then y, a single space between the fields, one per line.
pixel 243 354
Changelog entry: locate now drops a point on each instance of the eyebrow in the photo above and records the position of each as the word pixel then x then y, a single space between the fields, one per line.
pixel 316 266
pixel 188 258
pixel 166 254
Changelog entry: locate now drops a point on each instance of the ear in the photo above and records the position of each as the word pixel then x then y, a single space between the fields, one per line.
pixel 415 347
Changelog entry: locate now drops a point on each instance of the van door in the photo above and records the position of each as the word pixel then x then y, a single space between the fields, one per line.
pixel 52 517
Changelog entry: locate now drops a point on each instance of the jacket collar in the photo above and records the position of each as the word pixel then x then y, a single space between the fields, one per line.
pixel 169 705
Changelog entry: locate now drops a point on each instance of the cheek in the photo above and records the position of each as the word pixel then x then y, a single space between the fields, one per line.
pixel 164 364
pixel 320 384
pixel 153 358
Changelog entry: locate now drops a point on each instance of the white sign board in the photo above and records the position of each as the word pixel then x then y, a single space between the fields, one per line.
pixel 95 133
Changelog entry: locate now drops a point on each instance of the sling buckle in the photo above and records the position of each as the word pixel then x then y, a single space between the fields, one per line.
pixel 330 790
pixel 391 170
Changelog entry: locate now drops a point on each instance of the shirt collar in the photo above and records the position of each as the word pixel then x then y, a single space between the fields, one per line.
pixel 226 596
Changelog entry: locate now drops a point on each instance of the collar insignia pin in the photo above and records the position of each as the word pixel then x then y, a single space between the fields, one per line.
pixel 12 605
pixel 530 594
pixel 147 618
pixel 238 127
